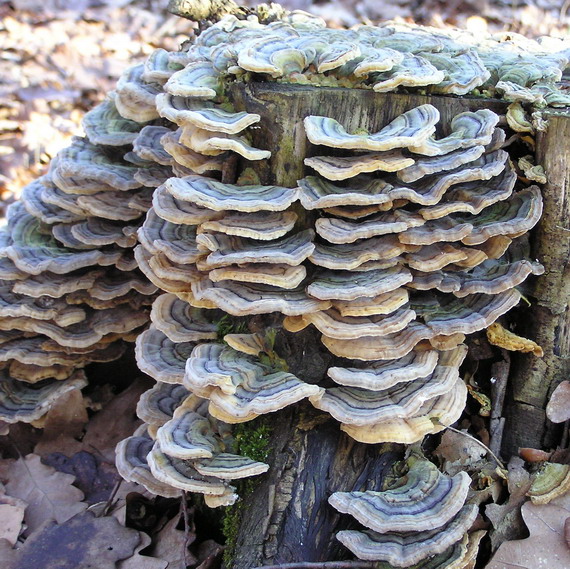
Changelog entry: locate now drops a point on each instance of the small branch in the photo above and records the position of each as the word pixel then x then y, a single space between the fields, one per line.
pixel 500 371
pixel 111 497
pixel 324 565
pixel 184 508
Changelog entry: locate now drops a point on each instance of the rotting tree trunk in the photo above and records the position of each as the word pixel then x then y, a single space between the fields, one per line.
pixel 548 319
pixel 287 517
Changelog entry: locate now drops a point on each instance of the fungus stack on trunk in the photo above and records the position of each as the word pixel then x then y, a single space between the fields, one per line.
pixel 394 245
pixel 392 240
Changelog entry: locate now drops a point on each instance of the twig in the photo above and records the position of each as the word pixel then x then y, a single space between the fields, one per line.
pixel 497 459
pixel 111 497
pixel 565 433
pixel 184 508
pixel 500 371
pixel 324 565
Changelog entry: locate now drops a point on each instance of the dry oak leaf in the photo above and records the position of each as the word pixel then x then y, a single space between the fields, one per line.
pixel 506 518
pixel 138 561
pixel 458 452
pixel 116 421
pixel 49 493
pixel 171 544
pixel 11 517
pixel 546 547
pixel 83 542
pixel 63 425
pixel 558 408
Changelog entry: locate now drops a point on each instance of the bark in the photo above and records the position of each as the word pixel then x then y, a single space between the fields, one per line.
pixel 547 321
pixel 287 518
pixel 201 10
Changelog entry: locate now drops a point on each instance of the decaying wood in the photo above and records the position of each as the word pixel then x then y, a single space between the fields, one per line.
pixel 547 321
pixel 282 109
pixel 500 376
pixel 287 518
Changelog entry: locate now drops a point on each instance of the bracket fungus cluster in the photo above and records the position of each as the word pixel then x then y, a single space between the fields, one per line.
pixel 71 290
pixel 394 246
pixel 420 521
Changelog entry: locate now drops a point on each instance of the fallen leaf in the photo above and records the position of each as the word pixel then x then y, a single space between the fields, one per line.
pixel 95 478
pixel 63 425
pixel 209 554
pixel 546 547
pixel 506 518
pixel 49 494
pixel 82 542
pixel 558 408
pixel 458 452
pixel 171 545
pixel 11 517
pixel 7 553
pixel 115 422
pixel 138 561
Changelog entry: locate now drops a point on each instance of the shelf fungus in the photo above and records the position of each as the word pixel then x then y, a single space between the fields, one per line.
pixel 419 517
pixel 393 244
pixel 181 447
pixel 70 283
pixel 239 386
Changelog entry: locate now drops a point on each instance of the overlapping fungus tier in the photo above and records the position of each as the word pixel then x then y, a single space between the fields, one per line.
pixel 71 292
pixel 407 249
pixel 409 252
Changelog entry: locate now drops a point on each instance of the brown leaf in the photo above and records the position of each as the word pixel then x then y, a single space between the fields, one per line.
pixel 115 422
pixel 7 553
pixel 49 494
pixel 82 542
pixel 546 547
pixel 138 561
pixel 567 531
pixel 11 517
pixel 209 554
pixel 506 518
pixel 558 408
pixel 458 452
pixel 63 424
pixel 172 544
pixel 94 477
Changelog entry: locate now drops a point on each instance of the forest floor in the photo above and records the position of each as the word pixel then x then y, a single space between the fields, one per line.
pixel 58 58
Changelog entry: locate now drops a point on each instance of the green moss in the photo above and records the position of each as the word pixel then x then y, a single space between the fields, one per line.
pixel 251 439
pixel 230 529
pixel 231 325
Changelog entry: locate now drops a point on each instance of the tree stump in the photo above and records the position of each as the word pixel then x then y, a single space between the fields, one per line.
pixel 287 518
pixel 547 321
